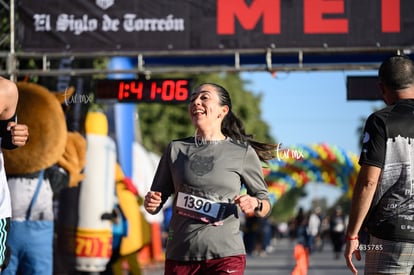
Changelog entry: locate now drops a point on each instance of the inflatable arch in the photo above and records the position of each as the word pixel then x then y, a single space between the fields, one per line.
pixel 298 165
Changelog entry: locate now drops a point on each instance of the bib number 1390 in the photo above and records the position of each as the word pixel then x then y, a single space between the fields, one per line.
pixel 198 204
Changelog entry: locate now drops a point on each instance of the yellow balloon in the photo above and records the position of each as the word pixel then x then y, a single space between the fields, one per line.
pixel 96 123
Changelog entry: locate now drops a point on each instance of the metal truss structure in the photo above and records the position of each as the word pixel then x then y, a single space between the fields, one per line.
pixel 205 61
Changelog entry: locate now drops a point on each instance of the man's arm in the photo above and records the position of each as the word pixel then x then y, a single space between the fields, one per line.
pixel 363 194
pixel 9 96
pixel 12 134
pixel 361 201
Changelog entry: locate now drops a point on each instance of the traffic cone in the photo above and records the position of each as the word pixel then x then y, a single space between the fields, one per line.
pixel 301 255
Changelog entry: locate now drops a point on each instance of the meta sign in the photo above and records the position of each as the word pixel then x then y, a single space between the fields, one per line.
pixel 194 25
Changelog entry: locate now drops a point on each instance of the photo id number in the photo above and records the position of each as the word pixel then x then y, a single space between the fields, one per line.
pixel 370 247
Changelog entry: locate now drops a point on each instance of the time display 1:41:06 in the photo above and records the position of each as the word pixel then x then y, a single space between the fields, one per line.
pixel 152 90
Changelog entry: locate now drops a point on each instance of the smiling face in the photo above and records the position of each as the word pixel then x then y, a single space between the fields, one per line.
pixel 205 109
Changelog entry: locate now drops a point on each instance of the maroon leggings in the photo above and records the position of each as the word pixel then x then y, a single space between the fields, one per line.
pixel 234 265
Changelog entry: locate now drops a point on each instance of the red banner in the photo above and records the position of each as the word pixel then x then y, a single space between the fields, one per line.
pixel 153 25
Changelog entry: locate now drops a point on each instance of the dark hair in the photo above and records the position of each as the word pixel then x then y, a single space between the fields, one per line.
pixel 397 72
pixel 233 127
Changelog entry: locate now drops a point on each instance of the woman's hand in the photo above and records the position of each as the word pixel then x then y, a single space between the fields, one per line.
pixel 246 203
pixel 152 202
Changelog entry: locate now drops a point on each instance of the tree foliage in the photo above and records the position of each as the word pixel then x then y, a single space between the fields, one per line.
pixel 285 207
pixel 161 123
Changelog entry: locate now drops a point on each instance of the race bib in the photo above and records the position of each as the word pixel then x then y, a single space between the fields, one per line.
pixel 200 208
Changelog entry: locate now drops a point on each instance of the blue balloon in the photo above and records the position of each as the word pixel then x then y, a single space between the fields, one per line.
pixel 121 63
pixel 124 116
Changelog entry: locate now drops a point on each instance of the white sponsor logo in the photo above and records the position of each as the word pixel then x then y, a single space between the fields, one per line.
pixel 104 4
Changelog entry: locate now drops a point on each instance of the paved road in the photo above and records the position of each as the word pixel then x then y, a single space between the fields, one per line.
pixel 281 262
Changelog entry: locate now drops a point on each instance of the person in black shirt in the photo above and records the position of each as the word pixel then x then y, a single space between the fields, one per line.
pixel 383 197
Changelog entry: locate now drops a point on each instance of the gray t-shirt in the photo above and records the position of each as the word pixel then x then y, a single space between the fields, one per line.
pixel 204 180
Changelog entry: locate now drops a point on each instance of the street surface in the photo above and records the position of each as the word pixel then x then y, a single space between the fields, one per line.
pixel 281 262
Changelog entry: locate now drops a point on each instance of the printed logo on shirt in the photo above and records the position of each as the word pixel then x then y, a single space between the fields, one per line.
pixel 201 165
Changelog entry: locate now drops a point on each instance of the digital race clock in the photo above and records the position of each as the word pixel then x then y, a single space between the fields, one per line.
pixel 144 90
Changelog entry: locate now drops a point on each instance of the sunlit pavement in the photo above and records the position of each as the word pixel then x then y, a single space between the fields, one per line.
pixel 280 261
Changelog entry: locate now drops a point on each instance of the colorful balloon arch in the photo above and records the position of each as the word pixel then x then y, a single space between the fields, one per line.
pixel 320 163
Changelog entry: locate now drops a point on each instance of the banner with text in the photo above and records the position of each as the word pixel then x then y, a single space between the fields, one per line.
pixel 153 25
